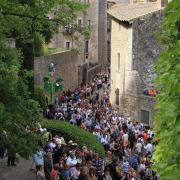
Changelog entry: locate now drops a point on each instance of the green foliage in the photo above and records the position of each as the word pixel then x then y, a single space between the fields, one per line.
pixel 28 23
pixel 87 32
pixel 39 45
pixel 18 113
pixel 52 87
pixel 167 117
pixel 39 96
pixel 33 23
pixel 70 132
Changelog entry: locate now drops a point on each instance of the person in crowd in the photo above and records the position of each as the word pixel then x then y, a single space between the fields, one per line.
pixel 114 169
pixel 38 158
pixel 40 173
pixel 149 148
pixel 107 175
pixel 11 158
pixel 125 141
pixel 66 174
pixel 71 161
pixel 139 147
pixel 142 170
pixel 83 175
pixel 48 165
pixel 54 175
pixel 135 162
pixel 76 171
pixel 92 174
pixel 98 163
pixel 125 167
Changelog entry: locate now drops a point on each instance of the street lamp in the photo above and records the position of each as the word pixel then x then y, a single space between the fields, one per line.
pixel 52 86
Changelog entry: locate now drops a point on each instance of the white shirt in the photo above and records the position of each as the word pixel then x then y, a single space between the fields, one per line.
pixel 71 163
pixel 139 147
pixel 150 133
pixel 149 148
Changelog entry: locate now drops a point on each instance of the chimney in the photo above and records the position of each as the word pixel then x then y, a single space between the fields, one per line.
pixel 162 3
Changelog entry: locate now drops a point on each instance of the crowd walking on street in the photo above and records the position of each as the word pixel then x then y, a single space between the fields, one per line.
pixel 128 144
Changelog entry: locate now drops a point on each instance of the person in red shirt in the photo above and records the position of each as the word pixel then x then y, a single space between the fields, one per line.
pixel 55 173
pixel 145 136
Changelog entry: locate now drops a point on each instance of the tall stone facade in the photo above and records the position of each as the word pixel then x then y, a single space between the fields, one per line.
pixel 92 50
pixel 133 54
pixel 145 48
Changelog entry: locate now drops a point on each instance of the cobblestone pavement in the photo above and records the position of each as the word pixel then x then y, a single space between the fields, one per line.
pixel 19 172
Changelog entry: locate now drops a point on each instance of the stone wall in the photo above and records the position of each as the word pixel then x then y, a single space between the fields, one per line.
pixel 145 48
pixel 92 72
pixel 82 73
pixel 66 68
pixel 121 48
pixel 133 105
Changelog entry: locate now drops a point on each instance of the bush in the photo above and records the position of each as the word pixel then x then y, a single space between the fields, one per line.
pixel 39 96
pixel 78 135
pixel 40 46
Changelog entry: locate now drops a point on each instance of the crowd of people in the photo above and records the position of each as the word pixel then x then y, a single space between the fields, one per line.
pixel 128 144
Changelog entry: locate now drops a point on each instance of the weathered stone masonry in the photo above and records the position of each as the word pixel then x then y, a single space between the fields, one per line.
pixel 145 48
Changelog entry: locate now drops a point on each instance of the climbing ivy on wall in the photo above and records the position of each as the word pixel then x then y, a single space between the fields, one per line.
pixel 167 117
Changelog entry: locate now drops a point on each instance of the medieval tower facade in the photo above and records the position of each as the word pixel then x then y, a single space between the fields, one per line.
pixel 92 50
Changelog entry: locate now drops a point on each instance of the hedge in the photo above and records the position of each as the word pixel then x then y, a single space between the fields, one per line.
pixel 78 135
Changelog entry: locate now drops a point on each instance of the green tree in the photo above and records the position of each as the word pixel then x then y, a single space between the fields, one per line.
pixel 18 113
pixel 28 19
pixel 40 97
pixel 23 20
pixel 167 117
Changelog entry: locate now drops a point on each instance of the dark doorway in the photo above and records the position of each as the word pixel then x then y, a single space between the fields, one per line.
pixel 145 117
pixel 84 78
pixel 117 96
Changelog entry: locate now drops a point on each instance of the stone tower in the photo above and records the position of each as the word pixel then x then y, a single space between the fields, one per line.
pixel 102 32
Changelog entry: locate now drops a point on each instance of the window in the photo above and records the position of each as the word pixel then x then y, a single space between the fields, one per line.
pixel 89 22
pixel 67 45
pixel 117 96
pixel 145 116
pixel 80 23
pixel 86 49
pixel 119 61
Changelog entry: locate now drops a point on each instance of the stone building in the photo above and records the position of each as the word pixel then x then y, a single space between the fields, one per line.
pixel 133 54
pixel 92 50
